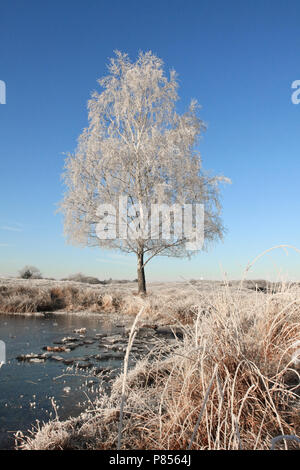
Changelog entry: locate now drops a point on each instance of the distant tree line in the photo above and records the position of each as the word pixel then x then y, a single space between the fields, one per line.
pixel 31 272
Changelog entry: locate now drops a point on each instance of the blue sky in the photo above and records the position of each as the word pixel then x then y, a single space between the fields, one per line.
pixel 238 58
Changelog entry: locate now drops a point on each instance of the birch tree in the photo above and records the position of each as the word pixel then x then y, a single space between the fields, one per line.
pixel 137 147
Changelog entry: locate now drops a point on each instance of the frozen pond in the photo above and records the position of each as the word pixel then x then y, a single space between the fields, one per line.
pixel 27 388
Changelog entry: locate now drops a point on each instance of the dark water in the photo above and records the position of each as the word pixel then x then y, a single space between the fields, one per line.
pixel 26 389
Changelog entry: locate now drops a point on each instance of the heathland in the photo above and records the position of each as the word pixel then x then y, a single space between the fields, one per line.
pixel 229 380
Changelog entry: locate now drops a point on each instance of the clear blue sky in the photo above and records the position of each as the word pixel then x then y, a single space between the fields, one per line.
pixel 238 58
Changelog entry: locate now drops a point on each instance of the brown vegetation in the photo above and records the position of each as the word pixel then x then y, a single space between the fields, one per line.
pixel 232 383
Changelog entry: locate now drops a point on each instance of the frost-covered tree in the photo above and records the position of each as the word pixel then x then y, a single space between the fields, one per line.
pixel 138 147
pixel 30 272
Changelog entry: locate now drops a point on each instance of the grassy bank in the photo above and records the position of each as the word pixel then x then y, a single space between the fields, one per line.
pixel 164 300
pixel 180 299
pixel 232 383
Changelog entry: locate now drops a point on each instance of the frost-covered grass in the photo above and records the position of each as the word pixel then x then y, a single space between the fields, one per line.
pixel 41 295
pixel 164 300
pixel 232 383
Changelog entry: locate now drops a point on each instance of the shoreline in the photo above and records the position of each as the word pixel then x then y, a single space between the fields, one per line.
pixel 236 356
pixel 163 300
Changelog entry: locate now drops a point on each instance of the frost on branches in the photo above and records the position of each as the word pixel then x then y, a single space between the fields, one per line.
pixel 138 147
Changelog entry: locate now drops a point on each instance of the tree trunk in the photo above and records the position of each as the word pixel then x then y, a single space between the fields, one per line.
pixel 141 274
